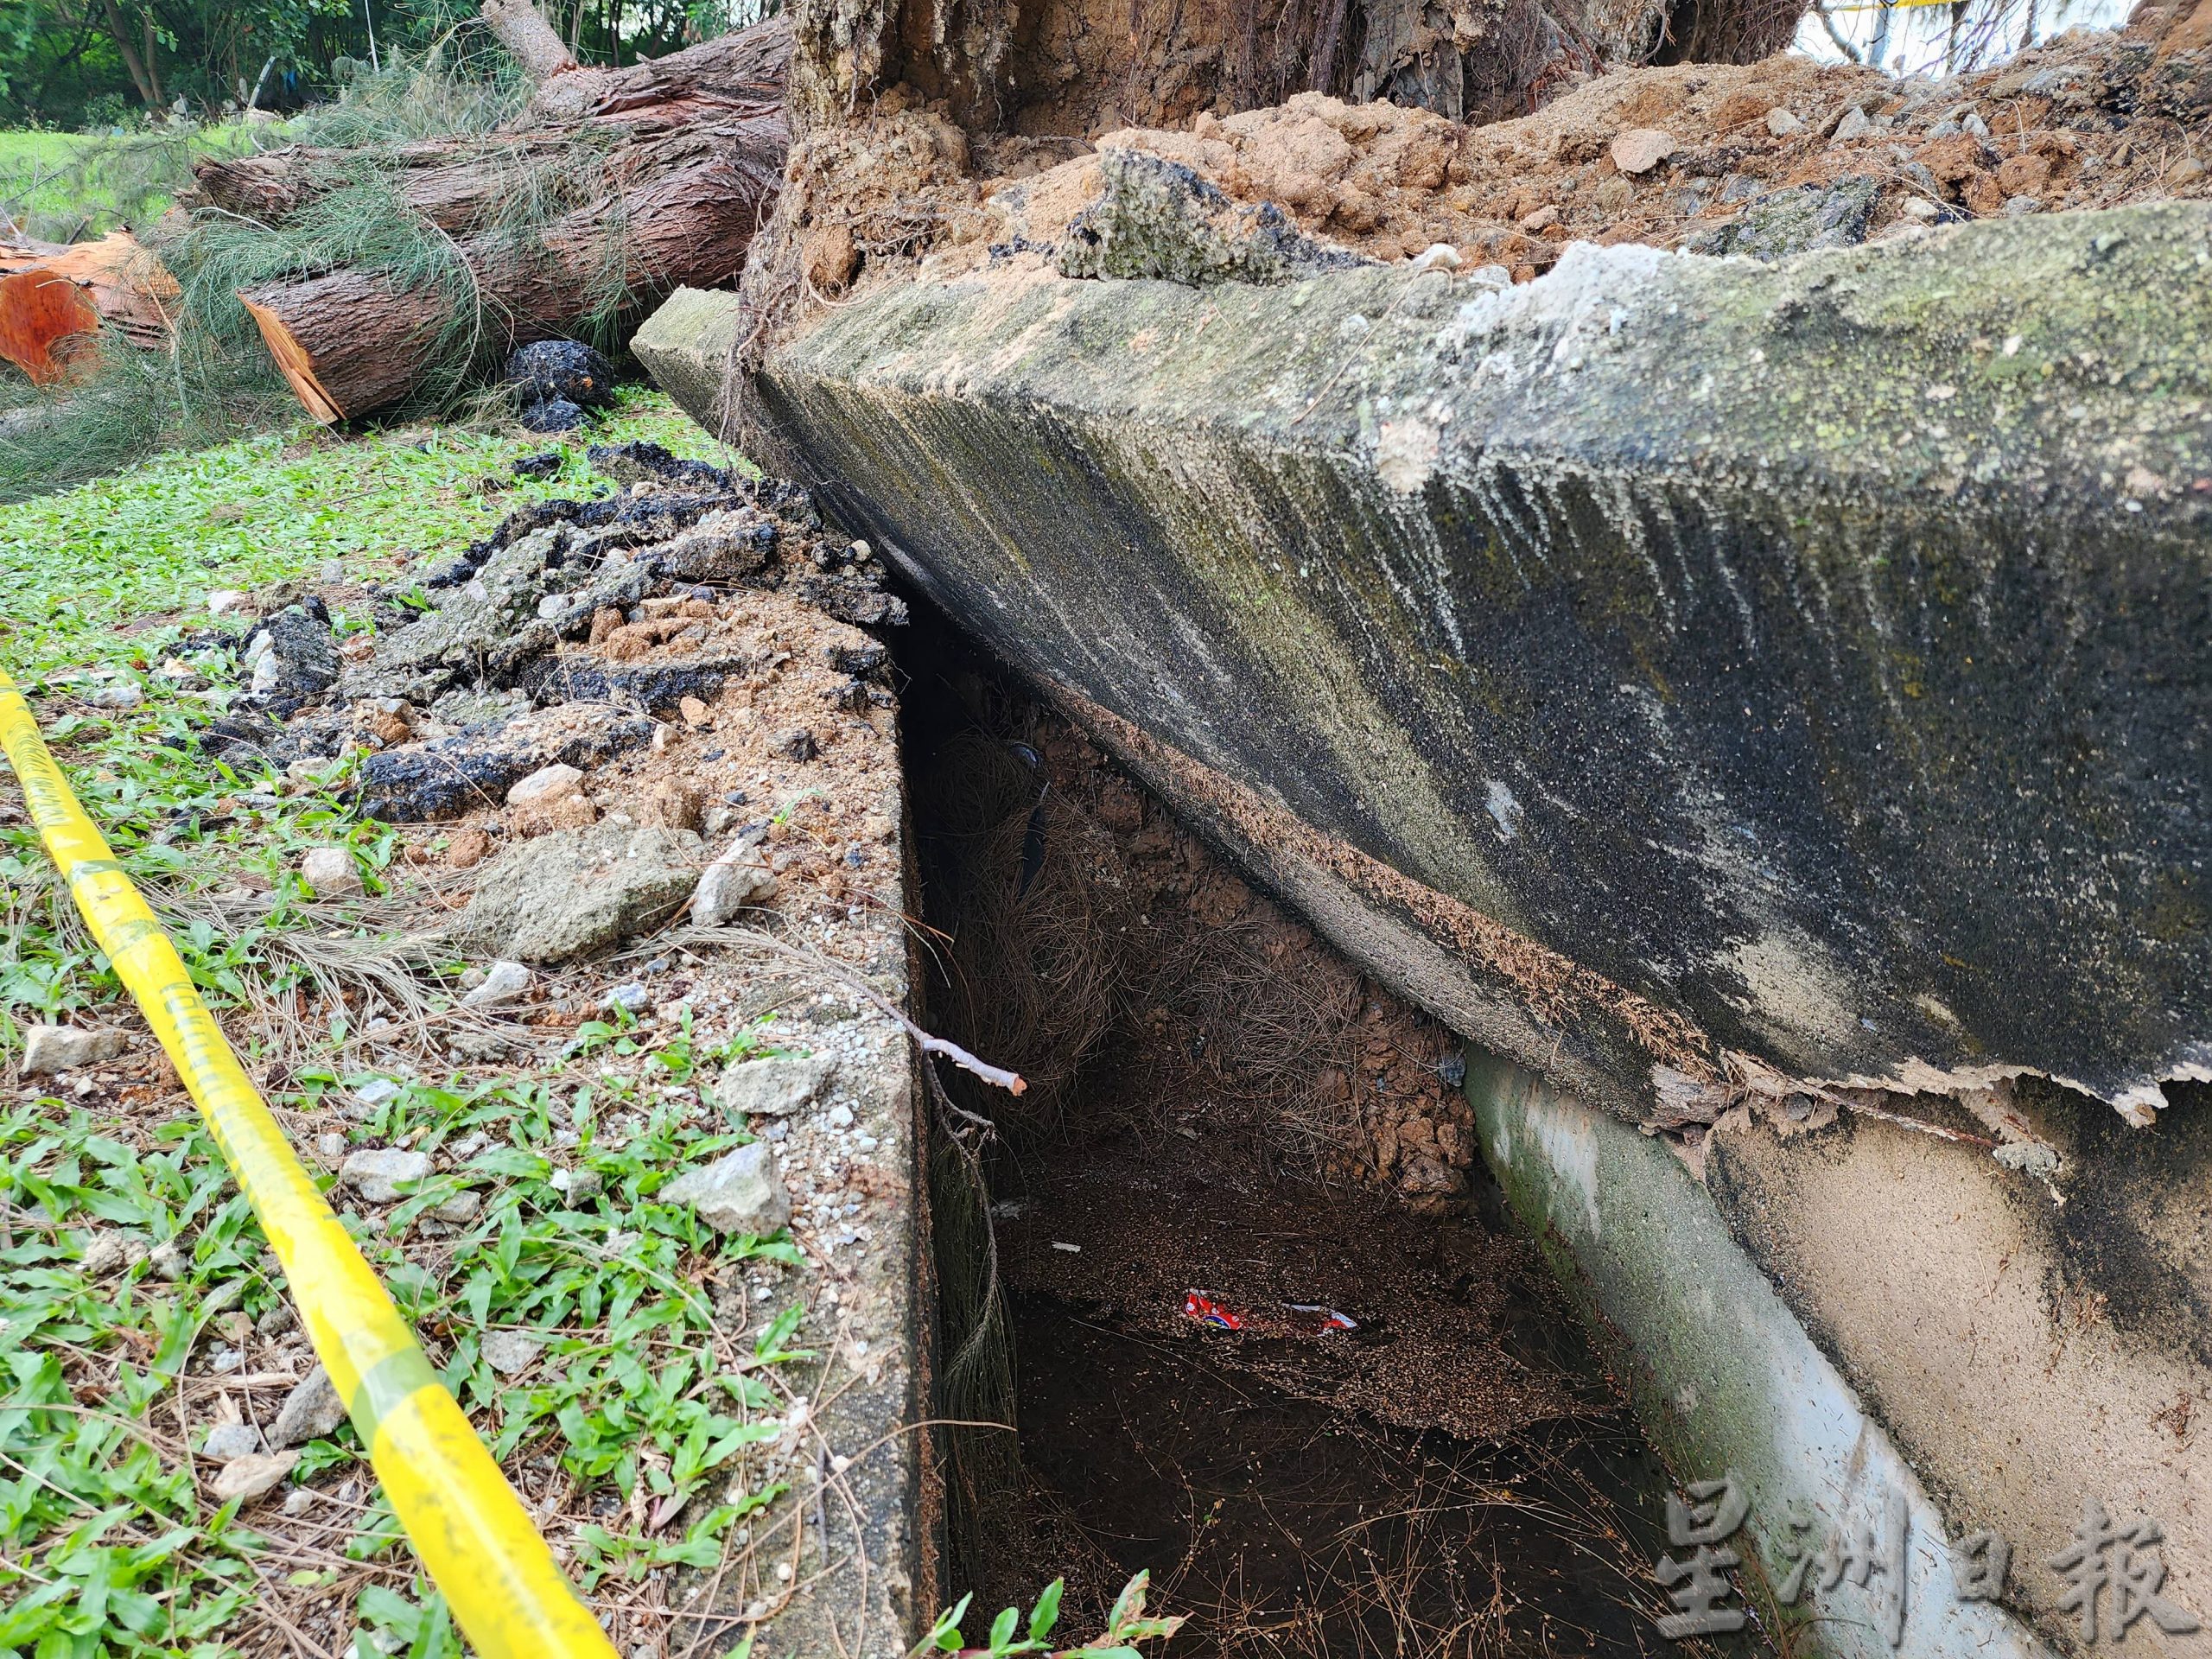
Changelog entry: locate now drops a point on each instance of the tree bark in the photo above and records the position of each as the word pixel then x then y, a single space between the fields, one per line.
pixel 349 342
pixel 693 160
pixel 55 299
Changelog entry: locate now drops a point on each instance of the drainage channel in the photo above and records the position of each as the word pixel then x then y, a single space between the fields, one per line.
pixel 1232 1268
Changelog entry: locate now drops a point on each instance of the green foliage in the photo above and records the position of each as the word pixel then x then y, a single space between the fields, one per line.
pixel 1126 1626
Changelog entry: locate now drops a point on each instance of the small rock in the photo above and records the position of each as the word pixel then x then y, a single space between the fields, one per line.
pixel 167 1261
pixel 1639 149
pixel 796 743
pixel 577 1185
pixel 509 1352
pixel 118 694
pixel 503 983
pixel 310 1412
pixel 2021 206
pixel 64 1048
pixel 375 1093
pixel 775 1086
pixel 378 1173
pixel 1854 124
pixel 564 894
pixel 330 1144
pixel 742 1192
pixel 104 1254
pixel 673 804
pixel 461 1208
pixel 694 712
pixel 546 784
pixel 1438 256
pixel 841 1117
pixel 2187 171
pixel 630 998
pixel 728 886
pixel 1543 219
pixel 248 1478
pixel 1782 124
pixel 277 1321
pixel 331 872
pixel 223 601
pixel 299 1500
pixel 226 1442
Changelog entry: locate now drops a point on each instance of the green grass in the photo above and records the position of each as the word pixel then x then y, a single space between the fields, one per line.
pixel 107 1544
pixel 64 185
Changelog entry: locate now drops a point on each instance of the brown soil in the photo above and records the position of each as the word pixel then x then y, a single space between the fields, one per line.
pixel 2088 121
pixel 1220 1104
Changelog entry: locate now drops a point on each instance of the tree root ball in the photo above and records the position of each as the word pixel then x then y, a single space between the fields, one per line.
pixel 566 370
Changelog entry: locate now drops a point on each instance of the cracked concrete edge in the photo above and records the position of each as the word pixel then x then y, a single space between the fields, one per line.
pixel 867 1571
pixel 1723 1375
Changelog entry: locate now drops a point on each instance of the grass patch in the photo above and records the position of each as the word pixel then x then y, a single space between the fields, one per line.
pixel 641 1405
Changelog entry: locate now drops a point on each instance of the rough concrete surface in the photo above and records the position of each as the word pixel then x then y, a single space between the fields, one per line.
pixel 1734 666
pixel 2026 1346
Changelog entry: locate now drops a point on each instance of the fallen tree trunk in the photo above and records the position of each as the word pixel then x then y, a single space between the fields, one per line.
pixel 350 341
pixel 55 299
pixel 676 161
pixel 730 89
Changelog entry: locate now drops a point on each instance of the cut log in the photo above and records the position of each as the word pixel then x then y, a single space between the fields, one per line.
pixel 684 156
pixel 349 342
pixel 53 299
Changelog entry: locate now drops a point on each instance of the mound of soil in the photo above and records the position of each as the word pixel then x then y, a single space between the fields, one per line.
pixel 1716 158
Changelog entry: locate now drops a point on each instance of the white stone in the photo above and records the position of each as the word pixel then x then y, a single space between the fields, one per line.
pixel 223 601
pixel 1854 124
pixel 376 1092
pixel 1437 256
pixel 728 886
pixel 299 1500
pixel 310 1412
pixel 118 694
pixel 742 1192
pixel 331 872
pixel 775 1086
pixel 249 1478
pixel 227 1442
pixel 546 784
pixel 503 983
pixel 378 1173
pixel 510 1352
pixel 1782 124
pixel 168 1260
pixel 331 1144
pixel 1639 149
pixel 64 1048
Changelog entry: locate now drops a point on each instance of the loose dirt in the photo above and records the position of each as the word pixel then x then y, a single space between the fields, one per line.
pixel 1221 1105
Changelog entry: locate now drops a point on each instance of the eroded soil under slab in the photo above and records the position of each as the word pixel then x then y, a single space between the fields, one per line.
pixel 1223 1107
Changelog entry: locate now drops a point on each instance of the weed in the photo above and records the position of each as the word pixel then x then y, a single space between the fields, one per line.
pixel 633 1422
pixel 1126 1626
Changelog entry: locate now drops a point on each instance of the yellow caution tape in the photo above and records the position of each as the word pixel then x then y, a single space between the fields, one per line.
pixel 467 1527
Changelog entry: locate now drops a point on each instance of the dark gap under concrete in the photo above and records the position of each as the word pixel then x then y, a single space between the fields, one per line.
pixel 1220 1103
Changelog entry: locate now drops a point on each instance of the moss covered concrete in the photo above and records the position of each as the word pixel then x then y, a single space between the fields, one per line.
pixel 1812 653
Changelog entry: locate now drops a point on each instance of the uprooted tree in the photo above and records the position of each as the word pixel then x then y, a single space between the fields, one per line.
pixel 610 189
